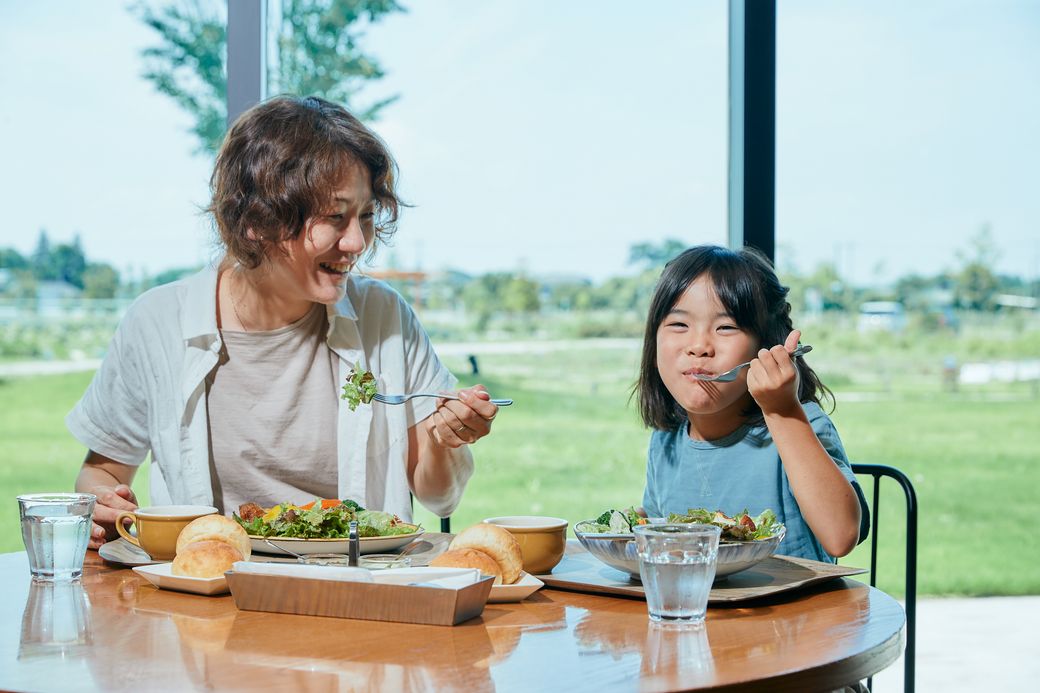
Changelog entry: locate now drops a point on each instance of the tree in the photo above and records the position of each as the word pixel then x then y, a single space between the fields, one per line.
pixel 317 54
pixel 835 293
pixel 976 282
pixel 483 296
pixel 653 255
pixel 40 263
pixel 68 262
pixel 521 296
pixel 100 280
pixel 12 259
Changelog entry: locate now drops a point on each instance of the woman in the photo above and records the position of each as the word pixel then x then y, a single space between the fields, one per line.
pixel 230 378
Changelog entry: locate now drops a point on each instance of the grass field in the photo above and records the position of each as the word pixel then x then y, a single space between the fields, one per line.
pixel 572 446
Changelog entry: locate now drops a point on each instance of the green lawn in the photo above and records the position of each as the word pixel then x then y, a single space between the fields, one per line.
pixel 571 446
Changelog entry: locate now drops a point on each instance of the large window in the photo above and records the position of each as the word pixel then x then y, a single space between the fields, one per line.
pixel 549 137
pixel 906 133
pixel 91 149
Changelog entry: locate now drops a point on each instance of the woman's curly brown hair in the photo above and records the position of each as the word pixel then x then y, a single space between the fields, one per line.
pixel 280 165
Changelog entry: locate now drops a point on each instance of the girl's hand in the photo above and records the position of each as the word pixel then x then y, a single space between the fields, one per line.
pixel 773 377
pixel 461 422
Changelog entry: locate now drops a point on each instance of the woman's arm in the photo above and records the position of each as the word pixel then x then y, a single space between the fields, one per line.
pixel 110 482
pixel 826 498
pixel 439 460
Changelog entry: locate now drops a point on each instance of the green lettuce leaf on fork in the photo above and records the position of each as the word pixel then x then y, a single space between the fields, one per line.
pixel 360 387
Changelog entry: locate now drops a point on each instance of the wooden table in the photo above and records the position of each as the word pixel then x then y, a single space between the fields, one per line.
pixel 113 631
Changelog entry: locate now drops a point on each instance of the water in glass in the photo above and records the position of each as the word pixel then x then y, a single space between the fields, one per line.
pixel 677 566
pixel 56 529
pixel 676 587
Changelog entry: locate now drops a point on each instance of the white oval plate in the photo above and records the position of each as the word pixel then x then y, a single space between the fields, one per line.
pixel 521 589
pixel 161 576
pixel 308 546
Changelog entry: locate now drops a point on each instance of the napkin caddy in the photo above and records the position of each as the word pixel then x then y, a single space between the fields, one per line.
pixel 360 600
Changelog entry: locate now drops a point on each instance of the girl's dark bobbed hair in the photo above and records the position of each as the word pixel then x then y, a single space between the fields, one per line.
pixel 751 293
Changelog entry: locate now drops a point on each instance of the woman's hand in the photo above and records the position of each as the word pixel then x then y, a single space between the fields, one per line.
pixel 111 500
pixel 463 421
pixel 110 482
pixel 773 377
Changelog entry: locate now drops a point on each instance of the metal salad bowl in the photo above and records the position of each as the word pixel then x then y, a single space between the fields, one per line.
pixel 619 552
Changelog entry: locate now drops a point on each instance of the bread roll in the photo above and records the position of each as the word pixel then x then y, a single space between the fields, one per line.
pixel 205 559
pixel 495 542
pixel 216 528
pixel 469 558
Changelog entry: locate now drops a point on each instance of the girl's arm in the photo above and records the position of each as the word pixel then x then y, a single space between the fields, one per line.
pixel 827 500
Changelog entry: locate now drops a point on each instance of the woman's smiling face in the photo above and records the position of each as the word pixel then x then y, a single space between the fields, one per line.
pixel 314 265
pixel 699 336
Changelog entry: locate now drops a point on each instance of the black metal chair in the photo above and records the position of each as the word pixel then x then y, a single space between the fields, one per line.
pixel 876 471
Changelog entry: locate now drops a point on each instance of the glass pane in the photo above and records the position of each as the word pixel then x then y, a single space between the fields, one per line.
pixel 101 155
pixel 102 194
pixel 902 135
pixel 548 137
pixel 906 221
pixel 542 140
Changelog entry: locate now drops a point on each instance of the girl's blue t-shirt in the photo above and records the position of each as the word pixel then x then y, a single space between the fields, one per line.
pixel 738 472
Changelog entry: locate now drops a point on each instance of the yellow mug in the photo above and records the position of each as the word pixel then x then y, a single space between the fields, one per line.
pixel 159 526
pixel 542 539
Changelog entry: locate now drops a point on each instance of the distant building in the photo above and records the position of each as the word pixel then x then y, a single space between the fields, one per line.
pixel 56 291
pixel 52 295
pixel 1014 301
pixel 888 316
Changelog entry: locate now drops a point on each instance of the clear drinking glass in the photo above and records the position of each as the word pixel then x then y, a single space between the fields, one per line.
pixel 55 529
pixel 677 566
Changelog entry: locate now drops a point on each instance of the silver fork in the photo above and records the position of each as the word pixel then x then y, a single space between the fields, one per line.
pixel 731 374
pixel 401 399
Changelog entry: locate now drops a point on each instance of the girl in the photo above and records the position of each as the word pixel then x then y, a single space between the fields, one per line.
pixel 759 442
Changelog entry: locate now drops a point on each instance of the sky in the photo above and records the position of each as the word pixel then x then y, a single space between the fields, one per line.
pixel 550 136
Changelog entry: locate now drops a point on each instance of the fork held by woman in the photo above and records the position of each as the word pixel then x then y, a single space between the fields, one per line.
pixel 401 399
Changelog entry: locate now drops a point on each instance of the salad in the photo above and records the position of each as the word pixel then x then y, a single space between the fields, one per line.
pixel 360 387
pixel 612 522
pixel 741 527
pixel 319 519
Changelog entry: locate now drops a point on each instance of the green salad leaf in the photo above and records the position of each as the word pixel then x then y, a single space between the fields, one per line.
pixel 612 522
pixel 360 387
pixel 741 527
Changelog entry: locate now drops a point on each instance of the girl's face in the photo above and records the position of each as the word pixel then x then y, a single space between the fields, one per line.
pixel 699 336
pixel 315 264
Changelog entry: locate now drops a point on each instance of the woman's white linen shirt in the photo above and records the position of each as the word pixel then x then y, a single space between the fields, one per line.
pixel 149 395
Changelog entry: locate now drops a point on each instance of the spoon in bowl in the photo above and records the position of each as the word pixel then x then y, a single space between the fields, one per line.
pixel 731 374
